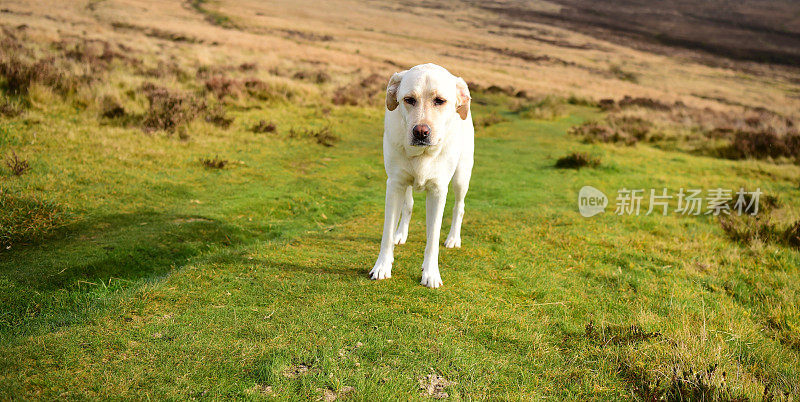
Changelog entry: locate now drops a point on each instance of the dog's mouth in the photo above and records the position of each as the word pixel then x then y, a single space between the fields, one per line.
pixel 416 142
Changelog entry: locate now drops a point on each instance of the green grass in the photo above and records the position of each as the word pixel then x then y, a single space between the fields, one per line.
pixel 171 280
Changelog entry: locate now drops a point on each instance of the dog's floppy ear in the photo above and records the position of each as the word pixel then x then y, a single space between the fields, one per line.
pixel 462 107
pixel 391 90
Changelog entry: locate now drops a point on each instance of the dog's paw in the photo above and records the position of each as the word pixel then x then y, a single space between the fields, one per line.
pixel 381 270
pixel 452 241
pixel 431 279
pixel 400 236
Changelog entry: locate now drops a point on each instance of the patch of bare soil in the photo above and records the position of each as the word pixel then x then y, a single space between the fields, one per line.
pixel 433 385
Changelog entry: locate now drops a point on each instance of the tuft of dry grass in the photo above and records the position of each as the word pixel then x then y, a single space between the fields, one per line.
pixel 17 165
pixel 263 126
pixel 26 219
pixel 323 136
pixel 214 163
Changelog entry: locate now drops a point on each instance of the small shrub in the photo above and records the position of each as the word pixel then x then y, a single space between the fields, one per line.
pixel 631 126
pixel 222 87
pixel 17 165
pixel 263 126
pixel 762 144
pixel 168 110
pixel 214 163
pixel 648 103
pixel 607 104
pixel 360 92
pixel 577 160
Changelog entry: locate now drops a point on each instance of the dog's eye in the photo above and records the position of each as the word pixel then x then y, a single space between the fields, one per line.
pixel 439 101
pixel 411 101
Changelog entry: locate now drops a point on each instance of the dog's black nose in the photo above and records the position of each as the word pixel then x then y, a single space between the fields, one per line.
pixel 422 133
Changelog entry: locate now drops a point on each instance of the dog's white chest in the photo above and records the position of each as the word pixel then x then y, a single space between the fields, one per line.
pixel 427 171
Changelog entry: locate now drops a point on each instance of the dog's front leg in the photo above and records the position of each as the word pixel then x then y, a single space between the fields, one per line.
pixel 394 200
pixel 437 195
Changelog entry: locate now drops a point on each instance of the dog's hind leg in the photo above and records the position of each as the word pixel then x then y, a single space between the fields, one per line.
pixel 460 187
pixel 401 234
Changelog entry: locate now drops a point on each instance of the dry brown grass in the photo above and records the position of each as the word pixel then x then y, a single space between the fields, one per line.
pixel 320 40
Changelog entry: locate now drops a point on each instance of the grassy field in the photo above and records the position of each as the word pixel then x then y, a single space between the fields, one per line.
pixel 198 215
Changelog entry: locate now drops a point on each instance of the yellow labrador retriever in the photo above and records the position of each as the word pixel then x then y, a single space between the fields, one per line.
pixel 428 139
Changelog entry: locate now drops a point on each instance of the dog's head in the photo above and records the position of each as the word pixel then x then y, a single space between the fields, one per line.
pixel 429 98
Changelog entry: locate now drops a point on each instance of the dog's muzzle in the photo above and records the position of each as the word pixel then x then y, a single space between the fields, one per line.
pixel 421 135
